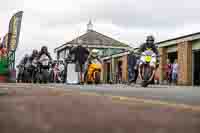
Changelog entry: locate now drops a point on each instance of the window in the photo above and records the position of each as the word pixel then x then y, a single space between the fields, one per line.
pixel 62 54
pixel 66 53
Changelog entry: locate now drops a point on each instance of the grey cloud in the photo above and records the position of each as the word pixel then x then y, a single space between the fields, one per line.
pixel 11 6
pixel 151 13
pixel 131 13
pixel 134 19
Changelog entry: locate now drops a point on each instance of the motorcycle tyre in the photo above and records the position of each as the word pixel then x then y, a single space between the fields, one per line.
pixel 146 77
pixel 97 77
pixel 45 76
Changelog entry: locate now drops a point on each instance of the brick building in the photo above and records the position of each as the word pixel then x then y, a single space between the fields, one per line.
pixel 92 40
pixel 115 68
pixel 186 49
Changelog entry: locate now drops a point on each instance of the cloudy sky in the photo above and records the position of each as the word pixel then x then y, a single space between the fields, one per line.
pixel 54 22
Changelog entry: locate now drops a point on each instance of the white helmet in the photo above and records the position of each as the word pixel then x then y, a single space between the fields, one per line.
pixel 95 52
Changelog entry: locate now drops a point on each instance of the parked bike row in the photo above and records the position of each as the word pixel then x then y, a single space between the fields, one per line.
pixel 40 68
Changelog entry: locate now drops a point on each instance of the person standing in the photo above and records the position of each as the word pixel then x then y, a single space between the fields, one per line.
pixel 34 66
pixel 62 71
pixel 136 69
pixel 26 63
pixel 175 72
pixel 168 72
pixel 81 54
pixel 132 61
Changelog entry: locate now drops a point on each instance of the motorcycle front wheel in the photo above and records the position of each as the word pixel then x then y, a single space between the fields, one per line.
pixel 146 76
pixel 97 77
pixel 45 76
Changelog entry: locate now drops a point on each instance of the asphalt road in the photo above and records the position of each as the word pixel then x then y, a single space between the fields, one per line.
pixel 172 94
pixel 92 109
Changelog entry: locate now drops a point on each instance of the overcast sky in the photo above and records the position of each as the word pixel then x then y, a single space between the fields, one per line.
pixel 54 22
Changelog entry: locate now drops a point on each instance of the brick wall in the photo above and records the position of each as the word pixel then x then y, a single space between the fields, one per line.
pixel 124 68
pixel 185 63
pixel 163 61
pixel 104 72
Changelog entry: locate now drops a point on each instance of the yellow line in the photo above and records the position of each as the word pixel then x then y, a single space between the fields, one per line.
pixel 90 94
pixel 158 102
pixel 127 99
pixel 147 101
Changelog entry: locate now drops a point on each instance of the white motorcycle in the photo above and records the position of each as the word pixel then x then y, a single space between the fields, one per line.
pixel 44 62
pixel 146 72
pixel 35 70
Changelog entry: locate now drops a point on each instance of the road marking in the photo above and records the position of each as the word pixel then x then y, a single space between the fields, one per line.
pixel 60 92
pixel 147 101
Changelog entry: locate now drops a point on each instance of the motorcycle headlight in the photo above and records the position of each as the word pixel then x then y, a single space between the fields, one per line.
pixel 147 58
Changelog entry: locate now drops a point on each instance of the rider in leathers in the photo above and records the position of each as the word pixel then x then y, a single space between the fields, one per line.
pixel 149 45
pixel 44 50
pixel 25 63
pixel 34 64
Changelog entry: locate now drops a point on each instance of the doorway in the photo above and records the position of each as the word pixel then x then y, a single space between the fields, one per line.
pixel 119 71
pixel 172 56
pixel 196 67
pixel 108 78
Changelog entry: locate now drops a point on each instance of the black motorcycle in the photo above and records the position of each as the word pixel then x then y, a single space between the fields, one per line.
pixel 35 71
pixel 27 72
pixel 44 65
pixel 20 73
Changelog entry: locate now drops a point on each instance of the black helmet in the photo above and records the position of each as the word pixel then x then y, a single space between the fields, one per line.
pixel 150 38
pixel 35 51
pixel 44 48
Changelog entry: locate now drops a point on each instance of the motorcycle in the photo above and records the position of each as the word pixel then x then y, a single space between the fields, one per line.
pixel 94 72
pixel 35 70
pixel 44 64
pixel 20 73
pixel 27 72
pixel 147 73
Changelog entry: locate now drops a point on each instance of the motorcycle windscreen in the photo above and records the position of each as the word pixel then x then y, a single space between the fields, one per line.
pixel 95 61
pixel 44 60
pixel 149 52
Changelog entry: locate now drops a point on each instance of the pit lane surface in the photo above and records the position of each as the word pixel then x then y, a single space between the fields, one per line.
pixel 61 109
